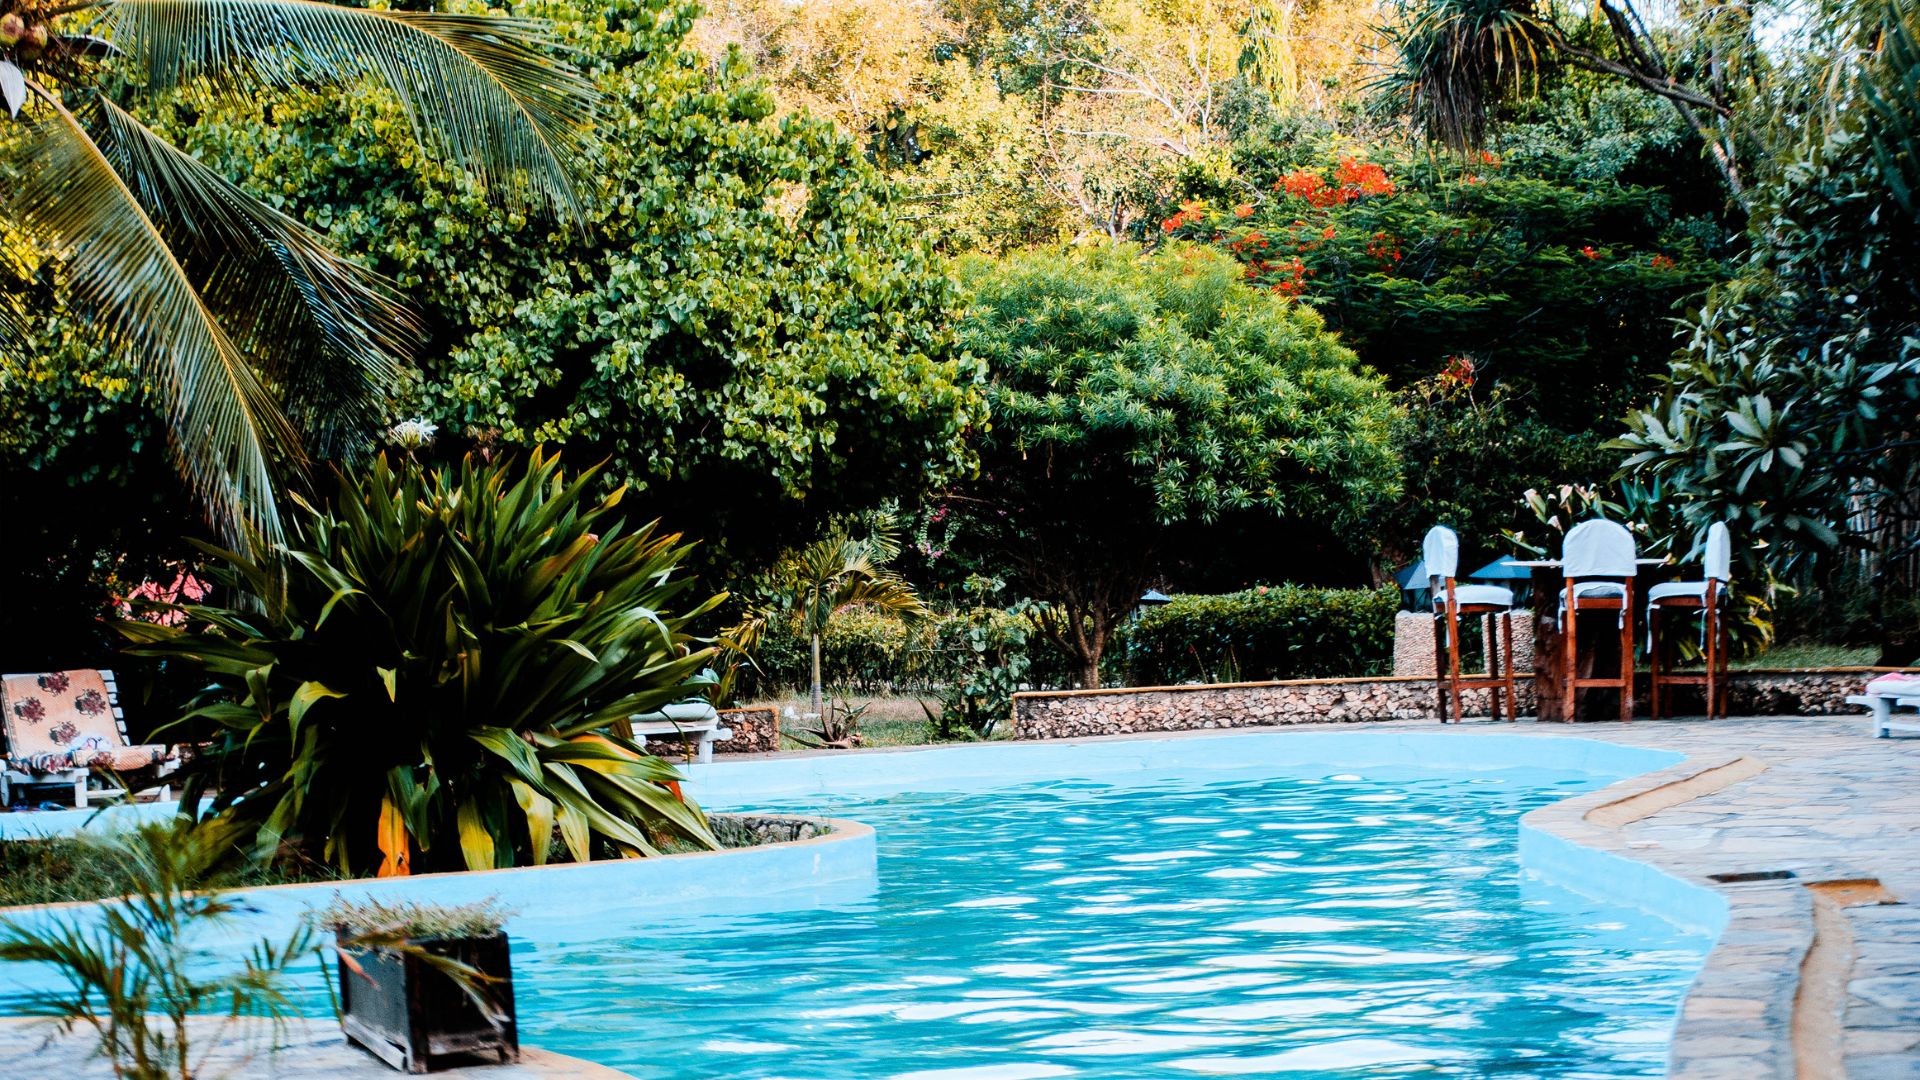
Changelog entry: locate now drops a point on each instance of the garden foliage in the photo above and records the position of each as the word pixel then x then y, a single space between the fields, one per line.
pixel 1132 393
pixel 745 324
pixel 432 675
pixel 1559 287
pixel 1791 412
pixel 1281 632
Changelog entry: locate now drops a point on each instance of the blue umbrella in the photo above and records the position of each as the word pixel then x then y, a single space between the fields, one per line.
pixel 1155 596
pixel 1504 568
pixel 1413 577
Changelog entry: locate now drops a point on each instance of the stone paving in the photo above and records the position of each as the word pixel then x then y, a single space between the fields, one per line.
pixel 305 1050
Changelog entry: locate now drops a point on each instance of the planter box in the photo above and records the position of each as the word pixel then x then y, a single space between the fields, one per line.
pixel 417 1019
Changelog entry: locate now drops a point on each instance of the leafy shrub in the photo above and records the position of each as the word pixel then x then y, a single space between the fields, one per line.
pixel 987 652
pixel 432 676
pixel 1284 632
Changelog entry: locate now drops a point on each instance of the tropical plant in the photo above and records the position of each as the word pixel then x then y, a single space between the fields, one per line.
pixel 1453 63
pixel 134 967
pixel 1791 413
pixel 993 663
pixel 1134 395
pixel 250 331
pixel 434 675
pixel 749 325
pixel 841 572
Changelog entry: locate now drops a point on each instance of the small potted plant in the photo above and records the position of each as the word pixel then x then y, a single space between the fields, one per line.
pixel 423 986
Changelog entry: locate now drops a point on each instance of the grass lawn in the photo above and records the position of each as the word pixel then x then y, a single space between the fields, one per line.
pixel 889 720
pixel 1805 654
pixel 61 870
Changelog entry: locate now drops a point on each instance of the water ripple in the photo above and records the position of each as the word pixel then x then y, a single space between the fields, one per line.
pixel 1320 926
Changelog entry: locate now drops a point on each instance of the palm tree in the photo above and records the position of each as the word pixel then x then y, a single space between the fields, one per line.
pixel 839 572
pixel 249 331
pixel 1451 62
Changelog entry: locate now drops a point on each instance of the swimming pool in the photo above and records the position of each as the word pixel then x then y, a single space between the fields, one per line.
pixel 1125 909
pixel 1370 923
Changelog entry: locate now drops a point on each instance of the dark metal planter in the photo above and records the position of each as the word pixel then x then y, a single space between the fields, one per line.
pixel 417 1019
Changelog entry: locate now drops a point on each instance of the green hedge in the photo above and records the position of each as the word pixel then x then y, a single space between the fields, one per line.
pixel 1283 632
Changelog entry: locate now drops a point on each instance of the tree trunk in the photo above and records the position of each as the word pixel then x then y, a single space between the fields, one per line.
pixel 1090 671
pixel 816 677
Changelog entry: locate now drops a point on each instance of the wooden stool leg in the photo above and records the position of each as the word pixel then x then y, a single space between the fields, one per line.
pixel 1453 664
pixel 1513 699
pixel 1653 661
pixel 1439 667
pixel 1626 653
pixel 1490 637
pixel 1569 656
pixel 1711 618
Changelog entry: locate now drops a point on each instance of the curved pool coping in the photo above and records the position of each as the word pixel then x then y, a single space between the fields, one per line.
pixel 1558 842
pixel 576 899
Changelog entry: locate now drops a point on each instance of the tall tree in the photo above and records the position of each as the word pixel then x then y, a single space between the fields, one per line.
pixel 250 331
pixel 1134 393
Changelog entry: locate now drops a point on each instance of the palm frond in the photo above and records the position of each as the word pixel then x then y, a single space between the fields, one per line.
pixel 322 330
pixel 477 89
pixel 226 429
pixel 1453 61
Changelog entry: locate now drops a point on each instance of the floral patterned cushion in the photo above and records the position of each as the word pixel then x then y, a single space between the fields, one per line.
pixel 64 720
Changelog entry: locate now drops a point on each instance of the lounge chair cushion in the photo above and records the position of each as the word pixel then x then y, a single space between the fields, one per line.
pixel 1477 594
pixel 1596 590
pixel 1693 590
pixel 1897 684
pixel 64 720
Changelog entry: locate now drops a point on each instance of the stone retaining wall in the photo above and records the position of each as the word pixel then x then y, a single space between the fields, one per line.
pixel 1413 642
pixel 756 730
pixel 1075 713
pixel 752 830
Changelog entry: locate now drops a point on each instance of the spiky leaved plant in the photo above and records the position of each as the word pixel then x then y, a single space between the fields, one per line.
pixel 434 675
pixel 250 332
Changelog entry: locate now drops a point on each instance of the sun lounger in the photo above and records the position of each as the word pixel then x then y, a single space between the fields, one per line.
pixel 62 728
pixel 693 721
pixel 1885 694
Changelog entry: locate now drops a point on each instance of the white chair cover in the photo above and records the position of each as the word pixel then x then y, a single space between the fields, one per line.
pixel 1441 552
pixel 1719 552
pixel 1598 548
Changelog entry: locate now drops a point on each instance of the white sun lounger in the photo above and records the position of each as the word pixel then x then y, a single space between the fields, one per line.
pixel 1880 710
pixel 690 720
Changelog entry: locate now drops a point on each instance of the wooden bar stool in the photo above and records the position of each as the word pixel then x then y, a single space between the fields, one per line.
pixel 1597 565
pixel 1704 597
pixel 1441 553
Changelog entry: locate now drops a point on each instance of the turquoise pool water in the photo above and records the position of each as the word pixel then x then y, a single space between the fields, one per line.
pixel 1337 925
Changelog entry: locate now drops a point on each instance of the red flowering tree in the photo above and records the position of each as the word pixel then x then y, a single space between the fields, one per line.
pixel 1555 289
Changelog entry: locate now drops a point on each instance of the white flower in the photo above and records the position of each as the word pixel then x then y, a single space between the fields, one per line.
pixel 413 434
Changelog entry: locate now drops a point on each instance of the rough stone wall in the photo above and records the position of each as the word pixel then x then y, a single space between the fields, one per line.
pixel 756 730
pixel 1413 643
pixel 1114 712
pixel 750 830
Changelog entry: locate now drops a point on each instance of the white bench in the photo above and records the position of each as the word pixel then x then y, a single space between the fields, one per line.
pixel 1880 710
pixel 690 720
